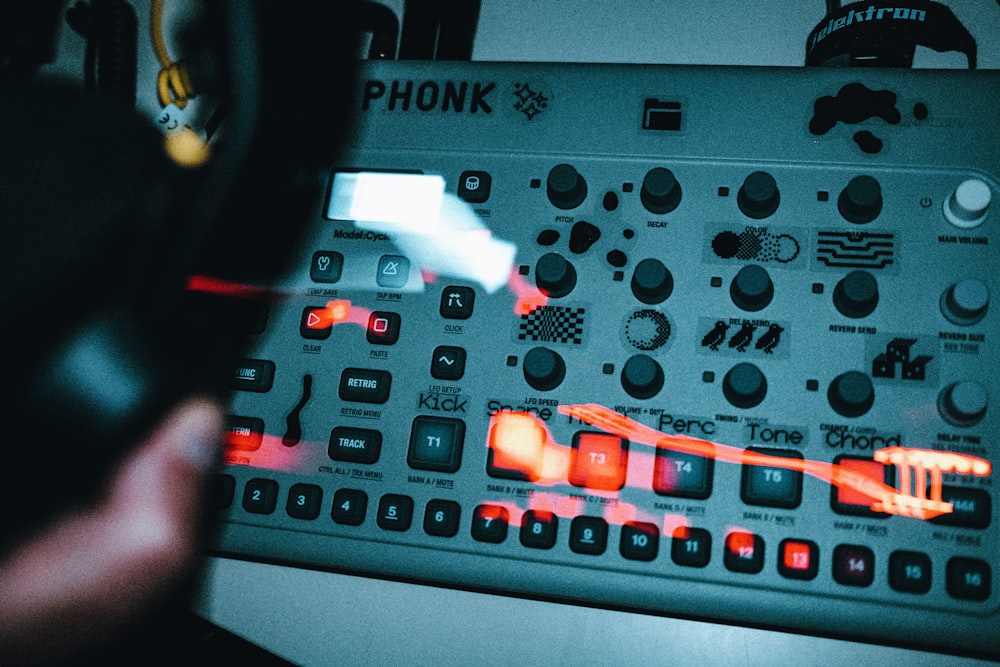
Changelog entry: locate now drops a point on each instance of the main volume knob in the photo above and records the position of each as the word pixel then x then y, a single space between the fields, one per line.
pixel 565 187
pixel 642 377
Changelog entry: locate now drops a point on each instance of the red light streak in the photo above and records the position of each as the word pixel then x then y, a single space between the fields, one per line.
pixel 884 498
pixel 222 287
pixel 522 442
pixel 529 297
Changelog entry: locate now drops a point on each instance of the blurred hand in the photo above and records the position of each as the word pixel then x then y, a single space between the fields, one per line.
pixel 91 573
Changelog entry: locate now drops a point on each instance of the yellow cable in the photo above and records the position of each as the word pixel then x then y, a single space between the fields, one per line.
pixel 173 83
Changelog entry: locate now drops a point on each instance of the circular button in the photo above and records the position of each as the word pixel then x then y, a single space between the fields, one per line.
pixel 565 187
pixel 660 192
pixel 652 282
pixel 543 369
pixel 861 200
pixel 962 404
pixel 856 295
pixel 642 377
pixel 752 288
pixel 965 302
pixel 744 386
pixel 851 394
pixel 554 275
pixel 969 204
pixel 758 196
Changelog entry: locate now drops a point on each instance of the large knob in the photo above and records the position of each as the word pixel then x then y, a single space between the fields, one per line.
pixel 752 288
pixel 660 192
pixel 744 386
pixel 566 187
pixel 962 404
pixel 861 200
pixel 965 302
pixel 969 204
pixel 652 282
pixel 543 369
pixel 642 377
pixel 758 196
pixel 851 394
pixel 856 295
pixel 554 275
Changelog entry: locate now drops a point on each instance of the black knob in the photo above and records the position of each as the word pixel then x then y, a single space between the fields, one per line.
pixel 744 386
pixel 642 377
pixel 963 404
pixel 660 193
pixel 758 196
pixel 856 295
pixel 752 288
pixel 543 369
pixel 851 394
pixel 651 281
pixel 566 187
pixel 861 200
pixel 554 275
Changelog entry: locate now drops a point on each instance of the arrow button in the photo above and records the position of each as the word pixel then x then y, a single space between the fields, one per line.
pixel 448 363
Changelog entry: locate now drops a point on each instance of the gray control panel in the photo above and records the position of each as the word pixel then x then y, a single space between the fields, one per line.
pixel 709 342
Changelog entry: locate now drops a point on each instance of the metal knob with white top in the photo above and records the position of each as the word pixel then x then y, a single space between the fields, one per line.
pixel 969 204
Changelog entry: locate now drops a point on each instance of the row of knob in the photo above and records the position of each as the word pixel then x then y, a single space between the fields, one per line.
pixel 855 295
pixel 850 394
pixel 859 202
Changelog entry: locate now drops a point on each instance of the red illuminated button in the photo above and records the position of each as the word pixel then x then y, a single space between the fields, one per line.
pixel 316 323
pixel 798 559
pixel 244 433
pixel 517 447
pixel 845 500
pixel 744 552
pixel 599 461
pixel 383 328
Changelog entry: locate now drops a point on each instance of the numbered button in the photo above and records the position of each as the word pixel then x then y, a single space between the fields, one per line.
pixel 910 572
pixel 588 535
pixel 304 501
pixel 798 559
pixel 639 541
pixel 853 565
pixel 744 552
pixel 441 518
pixel 349 506
pixel 395 512
pixel 489 523
pixel 691 547
pixel 538 529
pixel 969 579
pixel 260 496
